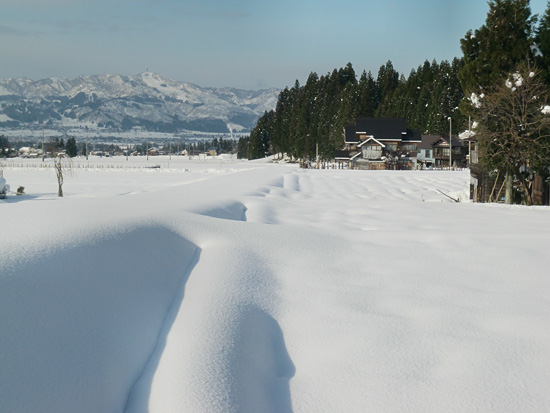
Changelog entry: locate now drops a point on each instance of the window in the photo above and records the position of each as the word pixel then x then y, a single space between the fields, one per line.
pixel 372 151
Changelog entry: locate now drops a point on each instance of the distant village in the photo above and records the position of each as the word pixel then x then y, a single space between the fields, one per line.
pixel 369 143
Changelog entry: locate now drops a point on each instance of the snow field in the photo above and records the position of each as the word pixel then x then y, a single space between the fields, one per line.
pixel 260 287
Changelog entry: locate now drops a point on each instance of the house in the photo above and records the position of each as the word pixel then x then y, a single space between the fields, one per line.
pixel 442 156
pixel 28 152
pixel 425 152
pixel 379 143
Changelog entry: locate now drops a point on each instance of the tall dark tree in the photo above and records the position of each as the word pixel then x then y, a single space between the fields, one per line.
pixel 542 43
pixel 498 46
pixel 427 98
pixel 71 147
pixel 242 147
pixel 260 137
pixel 387 81
pixel 5 147
pixel 367 94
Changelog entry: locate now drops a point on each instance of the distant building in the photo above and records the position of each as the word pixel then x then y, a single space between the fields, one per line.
pixel 379 143
pixel 425 152
pixel 442 156
pixel 28 152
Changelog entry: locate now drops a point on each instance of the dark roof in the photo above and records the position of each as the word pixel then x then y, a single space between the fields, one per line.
pixel 428 141
pixel 341 154
pixel 456 140
pixel 380 128
pixel 413 135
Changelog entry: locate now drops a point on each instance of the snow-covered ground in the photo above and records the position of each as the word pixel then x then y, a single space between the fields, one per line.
pixel 225 286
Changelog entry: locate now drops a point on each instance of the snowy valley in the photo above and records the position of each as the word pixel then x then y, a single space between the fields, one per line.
pixel 118 103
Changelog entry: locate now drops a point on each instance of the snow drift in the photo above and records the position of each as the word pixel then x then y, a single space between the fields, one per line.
pixel 257 287
pixel 83 320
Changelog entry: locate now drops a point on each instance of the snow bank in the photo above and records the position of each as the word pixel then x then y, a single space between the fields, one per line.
pixel 79 323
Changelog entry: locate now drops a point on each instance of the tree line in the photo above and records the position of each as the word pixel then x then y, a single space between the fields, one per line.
pixel 309 119
pixel 72 148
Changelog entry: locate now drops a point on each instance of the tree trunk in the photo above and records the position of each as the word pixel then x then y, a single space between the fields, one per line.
pixel 509 196
pixel 59 172
pixel 525 185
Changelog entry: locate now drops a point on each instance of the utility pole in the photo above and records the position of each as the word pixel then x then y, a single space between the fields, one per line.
pixel 317 154
pixel 86 142
pixel 43 153
pixel 450 144
pixel 469 141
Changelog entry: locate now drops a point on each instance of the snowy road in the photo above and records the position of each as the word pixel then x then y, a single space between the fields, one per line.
pixel 250 287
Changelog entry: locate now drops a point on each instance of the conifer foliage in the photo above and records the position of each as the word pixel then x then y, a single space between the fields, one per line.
pixel 542 44
pixel 497 47
pixel 427 98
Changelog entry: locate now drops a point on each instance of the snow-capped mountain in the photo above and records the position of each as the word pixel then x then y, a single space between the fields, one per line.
pixel 147 100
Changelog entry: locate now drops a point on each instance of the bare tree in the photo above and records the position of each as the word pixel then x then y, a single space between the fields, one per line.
pixel 63 166
pixel 514 128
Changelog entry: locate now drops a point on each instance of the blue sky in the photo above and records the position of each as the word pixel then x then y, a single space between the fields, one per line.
pixel 238 43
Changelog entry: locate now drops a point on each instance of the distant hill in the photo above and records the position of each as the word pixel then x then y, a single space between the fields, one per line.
pixel 147 100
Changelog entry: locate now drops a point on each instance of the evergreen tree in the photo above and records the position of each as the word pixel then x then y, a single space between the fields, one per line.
pixel 427 98
pixel 242 147
pixel 71 147
pixel 386 82
pixel 498 46
pixel 307 114
pixel 260 137
pixel 367 93
pixel 281 128
pixel 542 42
pixel 5 147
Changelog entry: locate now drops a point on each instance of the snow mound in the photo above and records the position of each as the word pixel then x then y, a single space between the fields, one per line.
pixel 83 321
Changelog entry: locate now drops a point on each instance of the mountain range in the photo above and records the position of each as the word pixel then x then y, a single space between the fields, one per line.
pixel 147 100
